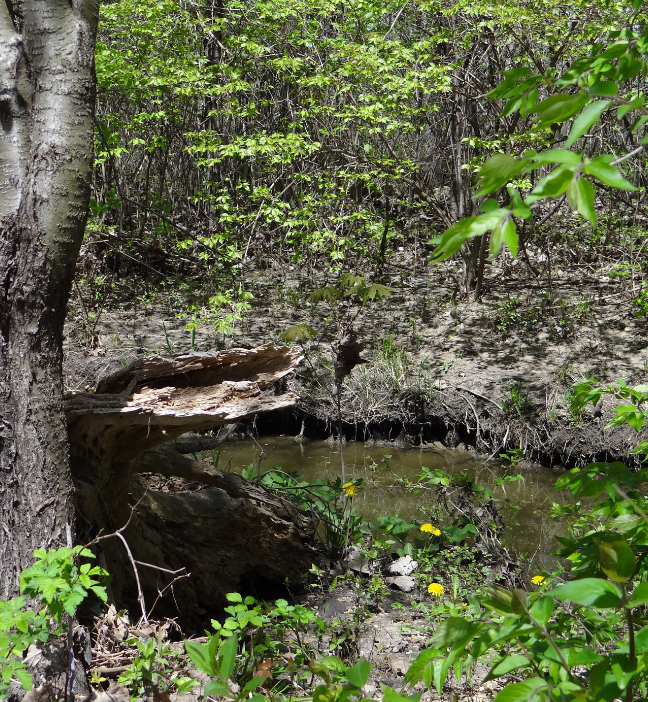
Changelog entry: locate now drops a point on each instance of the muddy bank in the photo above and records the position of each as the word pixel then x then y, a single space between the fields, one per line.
pixel 467 419
pixel 441 369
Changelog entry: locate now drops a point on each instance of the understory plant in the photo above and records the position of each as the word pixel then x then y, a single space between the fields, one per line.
pixel 56 583
pixel 581 635
pixel 338 524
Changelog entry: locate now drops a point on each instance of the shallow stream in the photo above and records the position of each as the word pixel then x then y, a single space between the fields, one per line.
pixel 530 529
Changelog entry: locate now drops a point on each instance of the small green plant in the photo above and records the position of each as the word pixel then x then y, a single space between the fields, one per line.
pixel 149 670
pixel 640 303
pixel 512 456
pixel 508 314
pixel 167 340
pixel 59 584
pixel 339 524
pixel 517 400
pixel 192 326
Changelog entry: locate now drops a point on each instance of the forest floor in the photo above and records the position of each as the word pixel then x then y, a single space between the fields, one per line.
pixel 493 374
pixel 489 376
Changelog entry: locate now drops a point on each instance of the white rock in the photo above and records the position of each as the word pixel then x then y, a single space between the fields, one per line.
pixel 403 566
pixel 402 582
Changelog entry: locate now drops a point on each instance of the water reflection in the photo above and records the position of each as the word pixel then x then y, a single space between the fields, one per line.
pixel 529 528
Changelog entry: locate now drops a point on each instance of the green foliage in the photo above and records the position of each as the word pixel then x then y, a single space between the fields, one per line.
pixel 56 578
pixel 338 523
pixel 633 412
pixel 593 620
pixel 150 668
pixel 59 584
pixel 19 628
pixel 605 69
pixel 517 400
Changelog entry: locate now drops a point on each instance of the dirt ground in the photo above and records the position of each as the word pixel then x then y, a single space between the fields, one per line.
pixel 465 356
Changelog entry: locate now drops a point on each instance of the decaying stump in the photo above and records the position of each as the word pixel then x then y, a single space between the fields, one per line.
pixel 230 534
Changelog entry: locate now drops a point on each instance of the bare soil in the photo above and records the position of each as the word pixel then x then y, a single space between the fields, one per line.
pixel 463 358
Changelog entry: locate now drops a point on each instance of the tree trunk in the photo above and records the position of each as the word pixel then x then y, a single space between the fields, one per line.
pixel 47 95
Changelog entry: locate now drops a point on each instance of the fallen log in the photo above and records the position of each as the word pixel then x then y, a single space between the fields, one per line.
pixel 229 534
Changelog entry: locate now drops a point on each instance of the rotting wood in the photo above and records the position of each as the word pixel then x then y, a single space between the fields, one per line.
pixel 126 428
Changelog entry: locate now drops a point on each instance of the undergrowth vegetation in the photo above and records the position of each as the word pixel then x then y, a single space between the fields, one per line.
pixel 577 632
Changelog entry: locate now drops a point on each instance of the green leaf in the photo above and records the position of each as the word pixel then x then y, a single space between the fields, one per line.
pixel 640 595
pixel 422 667
pixel 634 105
pixel 641 641
pixel 497 171
pixel 507 665
pixel 358 674
pixel 559 108
pixel 227 656
pixel 542 609
pixel 453 238
pixel 586 119
pixel 625 522
pixel 519 601
pixel 618 561
pixel 498 599
pixel 580 194
pixel 521 691
pixel 328 294
pixel 24 678
pixel 551 185
pixel 610 175
pixel 100 592
pixel 589 592
pixel 510 237
pixel 582 656
pixel 556 156
pixel 252 685
pixel 300 332
pixel 214 687
pixel 201 657
pixel 516 72
pixel 376 290
pixel 234 597
pixel 495 243
pixel 606 88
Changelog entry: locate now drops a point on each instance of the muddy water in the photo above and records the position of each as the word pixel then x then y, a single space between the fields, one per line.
pixel 529 529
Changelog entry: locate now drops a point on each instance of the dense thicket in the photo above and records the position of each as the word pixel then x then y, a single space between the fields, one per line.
pixel 317 131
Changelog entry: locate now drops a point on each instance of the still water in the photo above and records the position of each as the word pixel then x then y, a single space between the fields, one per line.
pixel 530 529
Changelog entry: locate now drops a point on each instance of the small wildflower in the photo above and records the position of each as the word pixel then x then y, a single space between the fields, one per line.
pixel 538 579
pixel 436 589
pixel 349 489
pixel 430 529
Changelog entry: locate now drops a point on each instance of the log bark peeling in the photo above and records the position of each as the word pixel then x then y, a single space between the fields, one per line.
pixel 126 428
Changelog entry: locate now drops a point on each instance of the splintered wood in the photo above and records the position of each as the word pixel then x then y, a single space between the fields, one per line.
pixel 185 392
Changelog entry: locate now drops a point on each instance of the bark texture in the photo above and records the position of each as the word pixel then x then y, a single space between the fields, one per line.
pixel 47 97
pixel 228 535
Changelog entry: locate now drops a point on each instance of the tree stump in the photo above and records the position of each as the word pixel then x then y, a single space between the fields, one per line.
pixel 232 533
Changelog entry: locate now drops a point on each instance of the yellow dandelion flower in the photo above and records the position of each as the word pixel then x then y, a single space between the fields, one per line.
pixel 430 529
pixel 349 489
pixel 538 579
pixel 436 589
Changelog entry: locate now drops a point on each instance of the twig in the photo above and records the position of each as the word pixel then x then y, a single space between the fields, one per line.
pixel 483 397
pixel 629 155
pixel 553 212
pixel 476 418
pixel 120 536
